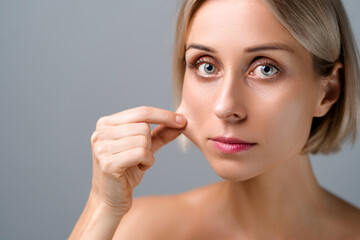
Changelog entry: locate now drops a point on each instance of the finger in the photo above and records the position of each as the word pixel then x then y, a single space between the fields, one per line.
pixel 144 114
pixel 119 162
pixel 124 144
pixel 162 135
pixel 121 131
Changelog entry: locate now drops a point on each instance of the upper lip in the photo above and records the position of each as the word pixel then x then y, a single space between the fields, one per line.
pixel 230 140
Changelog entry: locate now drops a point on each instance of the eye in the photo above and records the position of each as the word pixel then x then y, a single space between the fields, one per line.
pixel 266 70
pixel 206 69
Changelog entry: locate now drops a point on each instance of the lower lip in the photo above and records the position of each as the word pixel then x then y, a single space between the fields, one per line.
pixel 231 147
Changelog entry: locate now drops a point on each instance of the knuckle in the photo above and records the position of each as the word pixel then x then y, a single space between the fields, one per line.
pixel 145 128
pixel 101 122
pixel 141 152
pixel 151 160
pixel 105 165
pixel 143 141
pixel 94 137
pixel 144 111
pixel 98 149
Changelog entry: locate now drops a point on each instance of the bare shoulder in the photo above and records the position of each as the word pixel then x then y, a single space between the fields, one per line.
pixel 159 217
pixel 344 217
pixel 150 217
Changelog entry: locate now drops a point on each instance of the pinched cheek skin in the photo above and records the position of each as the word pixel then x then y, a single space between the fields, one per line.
pixel 194 107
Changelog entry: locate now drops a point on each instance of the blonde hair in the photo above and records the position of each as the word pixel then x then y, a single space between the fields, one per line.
pixel 321 27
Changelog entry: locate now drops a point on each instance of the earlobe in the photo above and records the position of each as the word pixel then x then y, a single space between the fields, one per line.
pixel 330 91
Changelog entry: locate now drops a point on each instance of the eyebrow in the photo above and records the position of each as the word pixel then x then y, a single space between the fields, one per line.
pixel 270 46
pixel 200 47
pixel 264 47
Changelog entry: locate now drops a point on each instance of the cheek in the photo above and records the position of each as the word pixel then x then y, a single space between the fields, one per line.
pixel 195 107
pixel 286 120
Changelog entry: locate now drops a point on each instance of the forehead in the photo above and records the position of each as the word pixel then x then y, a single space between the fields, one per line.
pixel 239 23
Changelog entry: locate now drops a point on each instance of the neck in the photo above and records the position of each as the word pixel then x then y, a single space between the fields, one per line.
pixel 275 200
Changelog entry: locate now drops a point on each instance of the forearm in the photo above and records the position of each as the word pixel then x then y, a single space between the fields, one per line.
pixel 95 222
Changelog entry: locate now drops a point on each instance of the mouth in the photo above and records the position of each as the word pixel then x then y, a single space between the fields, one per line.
pixel 230 145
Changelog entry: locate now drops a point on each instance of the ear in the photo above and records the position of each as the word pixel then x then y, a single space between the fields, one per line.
pixel 329 91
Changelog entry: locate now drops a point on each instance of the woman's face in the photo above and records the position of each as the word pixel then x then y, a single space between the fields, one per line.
pixel 246 77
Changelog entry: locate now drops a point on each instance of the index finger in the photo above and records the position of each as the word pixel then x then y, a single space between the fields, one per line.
pixel 146 114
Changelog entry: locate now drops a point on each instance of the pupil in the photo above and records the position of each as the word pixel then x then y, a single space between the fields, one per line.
pixel 267 69
pixel 209 67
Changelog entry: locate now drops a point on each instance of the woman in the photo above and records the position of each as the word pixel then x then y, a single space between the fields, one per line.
pixel 260 85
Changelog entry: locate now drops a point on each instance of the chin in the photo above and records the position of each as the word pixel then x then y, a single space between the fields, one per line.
pixel 234 176
pixel 232 169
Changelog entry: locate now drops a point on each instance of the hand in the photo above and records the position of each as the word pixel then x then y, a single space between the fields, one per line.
pixel 123 148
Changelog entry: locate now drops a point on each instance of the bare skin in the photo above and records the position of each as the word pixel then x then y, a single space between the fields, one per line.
pixel 195 215
pixel 270 191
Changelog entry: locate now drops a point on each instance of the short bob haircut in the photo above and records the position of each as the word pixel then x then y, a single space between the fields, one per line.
pixel 320 26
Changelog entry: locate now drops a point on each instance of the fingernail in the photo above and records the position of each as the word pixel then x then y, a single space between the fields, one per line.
pixel 180 119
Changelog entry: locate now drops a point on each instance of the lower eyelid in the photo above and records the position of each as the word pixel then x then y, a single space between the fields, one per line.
pixel 271 78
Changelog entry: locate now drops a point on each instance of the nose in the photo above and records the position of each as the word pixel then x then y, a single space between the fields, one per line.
pixel 230 105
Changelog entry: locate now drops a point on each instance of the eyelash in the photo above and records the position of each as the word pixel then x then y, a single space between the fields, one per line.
pixel 267 62
pixel 200 61
pixel 262 61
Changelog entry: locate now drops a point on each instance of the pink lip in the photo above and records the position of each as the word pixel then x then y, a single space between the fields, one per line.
pixel 230 145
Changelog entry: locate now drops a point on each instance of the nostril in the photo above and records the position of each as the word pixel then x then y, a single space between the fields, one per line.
pixel 235 117
pixel 229 115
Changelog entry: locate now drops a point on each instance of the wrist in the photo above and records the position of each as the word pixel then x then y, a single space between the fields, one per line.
pixel 99 205
pixel 97 221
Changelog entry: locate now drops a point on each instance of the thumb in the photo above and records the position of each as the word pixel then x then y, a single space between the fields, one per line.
pixel 162 135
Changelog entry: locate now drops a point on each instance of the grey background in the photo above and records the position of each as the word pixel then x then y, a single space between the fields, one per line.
pixel 63 65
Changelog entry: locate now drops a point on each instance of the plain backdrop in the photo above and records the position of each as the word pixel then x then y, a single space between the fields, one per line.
pixel 63 65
